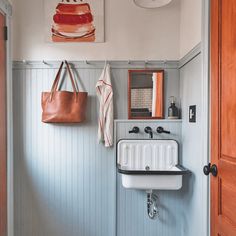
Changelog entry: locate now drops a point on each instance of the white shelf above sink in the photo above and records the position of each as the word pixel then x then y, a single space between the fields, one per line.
pixel 150 164
pixel 149 121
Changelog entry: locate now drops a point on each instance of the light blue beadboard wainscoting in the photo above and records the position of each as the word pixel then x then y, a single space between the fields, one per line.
pixel 194 158
pixel 64 181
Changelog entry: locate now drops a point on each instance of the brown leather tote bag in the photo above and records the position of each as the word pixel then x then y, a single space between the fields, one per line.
pixel 64 106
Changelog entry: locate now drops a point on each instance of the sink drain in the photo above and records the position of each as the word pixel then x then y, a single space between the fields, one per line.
pixel 147 168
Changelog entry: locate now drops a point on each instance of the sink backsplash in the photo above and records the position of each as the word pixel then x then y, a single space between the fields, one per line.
pixel 147 154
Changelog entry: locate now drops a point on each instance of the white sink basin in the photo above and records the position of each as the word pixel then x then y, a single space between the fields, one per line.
pixel 149 164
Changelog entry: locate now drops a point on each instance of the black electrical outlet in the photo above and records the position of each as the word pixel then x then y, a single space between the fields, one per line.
pixel 192 114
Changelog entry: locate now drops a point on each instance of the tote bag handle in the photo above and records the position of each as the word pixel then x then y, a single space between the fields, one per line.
pixel 57 79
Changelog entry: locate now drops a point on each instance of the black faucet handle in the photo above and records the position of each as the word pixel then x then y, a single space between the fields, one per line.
pixel 161 130
pixel 148 130
pixel 135 130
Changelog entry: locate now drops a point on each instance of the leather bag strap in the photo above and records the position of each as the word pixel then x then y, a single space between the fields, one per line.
pixel 55 83
pixel 57 79
pixel 71 77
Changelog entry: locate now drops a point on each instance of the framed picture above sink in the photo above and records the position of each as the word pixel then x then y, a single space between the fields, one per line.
pixel 146 94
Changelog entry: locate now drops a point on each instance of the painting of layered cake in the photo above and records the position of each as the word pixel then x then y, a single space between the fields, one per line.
pixel 74 20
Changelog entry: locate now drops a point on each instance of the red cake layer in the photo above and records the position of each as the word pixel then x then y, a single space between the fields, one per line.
pixel 73 19
pixel 75 9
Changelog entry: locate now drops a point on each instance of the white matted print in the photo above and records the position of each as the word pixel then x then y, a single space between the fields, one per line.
pixel 74 20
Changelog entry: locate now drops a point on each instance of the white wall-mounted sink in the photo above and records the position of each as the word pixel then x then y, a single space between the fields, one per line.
pixel 150 164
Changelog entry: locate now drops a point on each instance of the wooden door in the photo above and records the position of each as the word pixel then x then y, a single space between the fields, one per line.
pixel 223 117
pixel 3 131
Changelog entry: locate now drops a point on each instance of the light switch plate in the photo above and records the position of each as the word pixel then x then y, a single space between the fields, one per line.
pixel 192 114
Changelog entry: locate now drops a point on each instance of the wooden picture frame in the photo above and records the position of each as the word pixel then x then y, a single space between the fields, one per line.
pixel 159 114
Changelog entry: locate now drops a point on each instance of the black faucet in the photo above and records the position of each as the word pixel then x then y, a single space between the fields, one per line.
pixel 148 130
pixel 135 130
pixel 161 130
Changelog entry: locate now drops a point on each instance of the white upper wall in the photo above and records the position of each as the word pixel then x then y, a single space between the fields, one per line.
pixel 131 33
pixel 190 25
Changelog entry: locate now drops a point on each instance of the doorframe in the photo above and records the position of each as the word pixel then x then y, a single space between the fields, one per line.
pixel 6 9
pixel 206 110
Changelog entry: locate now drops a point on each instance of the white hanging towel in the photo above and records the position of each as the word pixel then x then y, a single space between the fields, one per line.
pixel 106 116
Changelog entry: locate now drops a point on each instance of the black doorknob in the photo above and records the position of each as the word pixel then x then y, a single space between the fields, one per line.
pixel 210 169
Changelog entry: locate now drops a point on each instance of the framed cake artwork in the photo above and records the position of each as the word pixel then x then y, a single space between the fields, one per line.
pixel 74 20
